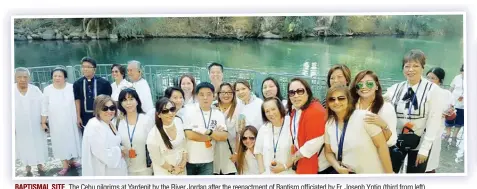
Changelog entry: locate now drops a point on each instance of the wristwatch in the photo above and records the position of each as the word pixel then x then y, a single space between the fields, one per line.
pixel 210 133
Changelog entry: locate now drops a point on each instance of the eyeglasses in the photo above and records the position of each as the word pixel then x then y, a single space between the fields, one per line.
pixel 333 99
pixel 166 111
pixel 248 138
pixel 87 67
pixel 110 108
pixel 298 91
pixel 226 93
pixel 368 84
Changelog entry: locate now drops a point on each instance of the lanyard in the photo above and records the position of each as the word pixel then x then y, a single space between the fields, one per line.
pixel 127 124
pixel 275 145
pixel 294 127
pixel 203 118
pixel 412 100
pixel 341 140
pixel 95 92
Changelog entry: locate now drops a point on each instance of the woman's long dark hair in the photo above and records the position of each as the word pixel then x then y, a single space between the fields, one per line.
pixel 160 104
pixel 378 99
pixel 279 94
pixel 242 149
pixel 122 96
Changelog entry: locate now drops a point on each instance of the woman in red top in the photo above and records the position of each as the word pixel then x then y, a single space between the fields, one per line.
pixel 307 126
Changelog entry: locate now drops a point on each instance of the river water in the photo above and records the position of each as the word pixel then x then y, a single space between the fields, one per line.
pixel 313 56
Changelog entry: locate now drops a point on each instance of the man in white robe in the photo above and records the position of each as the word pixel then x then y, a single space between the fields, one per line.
pixel 30 137
pixel 140 85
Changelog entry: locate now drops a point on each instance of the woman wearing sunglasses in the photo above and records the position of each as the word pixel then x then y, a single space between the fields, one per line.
pixel 271 88
pixel 101 146
pixel 351 144
pixel 307 127
pixel 418 107
pixel 247 163
pixel 118 72
pixel 250 114
pixel 367 95
pixel 133 127
pixel 225 153
pixel 272 148
pixel 166 142
pixel 436 75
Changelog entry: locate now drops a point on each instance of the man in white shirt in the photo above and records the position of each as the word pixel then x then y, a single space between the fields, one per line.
pixel 216 75
pixel 203 126
pixel 141 85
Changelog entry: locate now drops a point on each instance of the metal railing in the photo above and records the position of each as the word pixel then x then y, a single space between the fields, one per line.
pixel 160 77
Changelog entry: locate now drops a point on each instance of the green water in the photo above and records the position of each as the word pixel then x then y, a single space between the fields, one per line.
pixel 308 57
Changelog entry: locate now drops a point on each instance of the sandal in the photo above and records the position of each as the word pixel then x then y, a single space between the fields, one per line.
pixel 63 172
pixel 75 165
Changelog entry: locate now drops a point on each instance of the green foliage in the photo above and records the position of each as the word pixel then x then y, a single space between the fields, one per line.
pixel 339 26
pixel 296 27
pixel 132 27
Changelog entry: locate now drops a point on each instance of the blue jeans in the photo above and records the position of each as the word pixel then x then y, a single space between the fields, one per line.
pixel 200 168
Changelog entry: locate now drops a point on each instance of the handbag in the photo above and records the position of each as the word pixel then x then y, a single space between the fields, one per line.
pixel 407 141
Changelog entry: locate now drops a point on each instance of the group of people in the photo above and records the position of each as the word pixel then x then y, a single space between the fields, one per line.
pixel 225 129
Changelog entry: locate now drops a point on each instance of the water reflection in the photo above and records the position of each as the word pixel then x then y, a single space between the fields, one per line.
pixel 381 54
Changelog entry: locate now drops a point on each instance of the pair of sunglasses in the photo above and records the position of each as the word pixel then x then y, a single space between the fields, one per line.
pixel 110 108
pixel 298 91
pixel 340 99
pixel 368 84
pixel 166 111
pixel 248 138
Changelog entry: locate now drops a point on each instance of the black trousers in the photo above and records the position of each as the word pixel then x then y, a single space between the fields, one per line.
pixel 398 156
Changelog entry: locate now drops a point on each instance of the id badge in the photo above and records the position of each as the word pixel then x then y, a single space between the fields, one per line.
pixel 274 163
pixel 208 144
pixel 132 153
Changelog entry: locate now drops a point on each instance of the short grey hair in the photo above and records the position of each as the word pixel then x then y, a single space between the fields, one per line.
pixel 22 69
pixel 137 63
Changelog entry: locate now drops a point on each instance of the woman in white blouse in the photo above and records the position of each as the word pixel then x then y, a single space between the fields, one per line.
pixel 367 95
pixel 187 84
pixel 166 141
pixel 59 108
pixel 224 150
pixel 133 127
pixel 101 147
pixel 418 107
pixel 436 75
pixel 250 114
pixel 274 141
pixel 119 73
pixel 247 163
pixel 351 144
